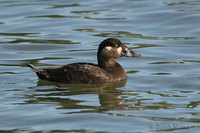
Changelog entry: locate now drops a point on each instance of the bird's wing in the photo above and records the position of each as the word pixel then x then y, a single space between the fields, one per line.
pixel 78 73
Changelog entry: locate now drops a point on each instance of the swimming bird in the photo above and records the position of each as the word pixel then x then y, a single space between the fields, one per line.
pixel 107 69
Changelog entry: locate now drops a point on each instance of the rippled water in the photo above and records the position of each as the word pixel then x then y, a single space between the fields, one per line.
pixel 162 91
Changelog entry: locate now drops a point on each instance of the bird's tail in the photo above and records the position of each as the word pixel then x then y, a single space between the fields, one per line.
pixel 33 67
pixel 42 74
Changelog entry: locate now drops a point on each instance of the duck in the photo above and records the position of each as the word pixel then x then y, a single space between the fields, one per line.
pixel 107 69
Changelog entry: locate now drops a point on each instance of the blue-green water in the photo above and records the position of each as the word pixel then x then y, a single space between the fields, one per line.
pixel 162 92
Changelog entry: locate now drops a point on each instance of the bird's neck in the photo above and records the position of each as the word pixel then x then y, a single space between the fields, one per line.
pixel 107 63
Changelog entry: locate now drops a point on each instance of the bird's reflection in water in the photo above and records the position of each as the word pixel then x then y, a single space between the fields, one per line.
pixel 109 96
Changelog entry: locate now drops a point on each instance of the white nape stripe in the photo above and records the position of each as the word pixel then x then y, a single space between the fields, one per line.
pixel 108 48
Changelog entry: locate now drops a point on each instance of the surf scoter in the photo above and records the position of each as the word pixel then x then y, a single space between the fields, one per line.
pixel 107 69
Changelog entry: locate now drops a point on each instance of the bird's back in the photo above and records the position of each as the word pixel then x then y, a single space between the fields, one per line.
pixel 75 73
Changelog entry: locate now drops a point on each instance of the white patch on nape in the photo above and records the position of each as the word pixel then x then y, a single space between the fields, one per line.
pixel 119 50
pixel 108 48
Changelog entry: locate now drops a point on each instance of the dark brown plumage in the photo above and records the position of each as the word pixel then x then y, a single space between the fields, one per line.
pixel 107 69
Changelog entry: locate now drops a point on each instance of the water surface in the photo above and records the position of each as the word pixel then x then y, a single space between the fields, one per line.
pixel 161 93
